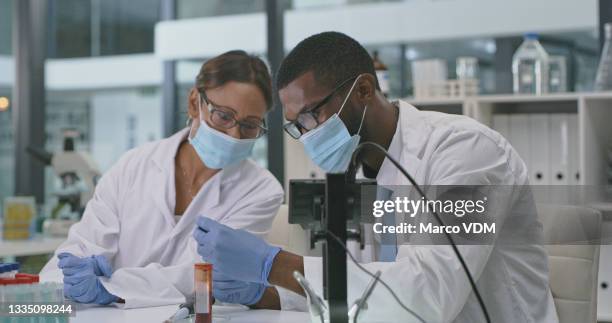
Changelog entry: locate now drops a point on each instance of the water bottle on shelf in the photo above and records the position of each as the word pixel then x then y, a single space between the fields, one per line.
pixel 557 74
pixel 603 80
pixel 530 67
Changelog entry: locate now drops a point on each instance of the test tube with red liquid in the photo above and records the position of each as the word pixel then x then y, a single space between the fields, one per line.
pixel 203 292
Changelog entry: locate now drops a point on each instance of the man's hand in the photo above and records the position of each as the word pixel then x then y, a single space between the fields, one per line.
pixel 228 290
pixel 238 254
pixel 81 282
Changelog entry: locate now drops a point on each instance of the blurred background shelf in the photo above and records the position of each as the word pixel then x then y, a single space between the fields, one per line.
pixel 593 112
pixel 38 245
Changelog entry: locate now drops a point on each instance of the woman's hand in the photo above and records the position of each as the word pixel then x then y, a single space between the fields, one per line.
pixel 81 278
pixel 236 253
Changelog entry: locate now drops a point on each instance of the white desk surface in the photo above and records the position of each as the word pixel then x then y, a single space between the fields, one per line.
pixel 230 314
pixel 37 245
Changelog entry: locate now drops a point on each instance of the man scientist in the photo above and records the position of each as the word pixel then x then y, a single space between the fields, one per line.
pixel 330 96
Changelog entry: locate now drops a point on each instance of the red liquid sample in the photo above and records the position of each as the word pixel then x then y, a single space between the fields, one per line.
pixel 203 292
pixel 203 318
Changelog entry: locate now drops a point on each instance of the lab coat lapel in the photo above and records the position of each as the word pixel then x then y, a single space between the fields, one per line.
pixel 163 190
pixel 413 135
pixel 206 199
pixel 162 195
pixel 404 149
pixel 412 139
pixel 209 198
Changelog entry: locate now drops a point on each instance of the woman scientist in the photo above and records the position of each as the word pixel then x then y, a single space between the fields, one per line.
pixel 134 244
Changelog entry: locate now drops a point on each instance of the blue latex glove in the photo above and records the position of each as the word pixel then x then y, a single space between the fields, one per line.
pixel 236 253
pixel 100 265
pixel 232 291
pixel 81 283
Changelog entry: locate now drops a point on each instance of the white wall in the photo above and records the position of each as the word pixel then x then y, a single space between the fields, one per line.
pixel 427 20
pixel 121 121
pixel 134 70
pixel 207 37
pixel 377 23
pixel 103 72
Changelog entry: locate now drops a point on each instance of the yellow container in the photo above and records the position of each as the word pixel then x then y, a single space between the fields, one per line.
pixel 19 212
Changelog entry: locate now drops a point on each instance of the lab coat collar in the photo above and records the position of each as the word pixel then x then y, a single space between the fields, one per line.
pixel 164 155
pixel 388 173
pixel 406 146
pixel 414 130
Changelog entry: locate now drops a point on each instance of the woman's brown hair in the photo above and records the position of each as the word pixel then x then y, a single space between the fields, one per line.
pixel 237 66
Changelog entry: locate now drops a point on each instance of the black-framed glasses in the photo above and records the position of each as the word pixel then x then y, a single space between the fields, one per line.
pixel 225 118
pixel 309 119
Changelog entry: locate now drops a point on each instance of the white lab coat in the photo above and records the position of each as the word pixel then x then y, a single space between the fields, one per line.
pixel 443 149
pixel 130 220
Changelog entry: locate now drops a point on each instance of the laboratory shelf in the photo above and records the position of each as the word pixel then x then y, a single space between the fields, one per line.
pixel 434 101
pixel 517 98
pixel 35 246
pixel 502 98
pixel 593 109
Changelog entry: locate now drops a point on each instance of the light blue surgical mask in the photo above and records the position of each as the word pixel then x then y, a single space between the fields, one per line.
pixel 217 149
pixel 330 145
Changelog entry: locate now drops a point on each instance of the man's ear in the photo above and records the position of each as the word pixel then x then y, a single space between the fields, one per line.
pixel 366 88
pixel 192 105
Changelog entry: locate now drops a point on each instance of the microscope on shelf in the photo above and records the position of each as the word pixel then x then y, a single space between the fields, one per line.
pixel 78 173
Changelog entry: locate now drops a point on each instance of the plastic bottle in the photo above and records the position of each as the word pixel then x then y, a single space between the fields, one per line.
pixel 467 68
pixel 382 74
pixel 603 80
pixel 557 74
pixel 530 67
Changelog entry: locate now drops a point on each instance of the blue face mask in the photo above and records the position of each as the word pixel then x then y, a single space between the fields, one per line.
pixel 217 149
pixel 330 145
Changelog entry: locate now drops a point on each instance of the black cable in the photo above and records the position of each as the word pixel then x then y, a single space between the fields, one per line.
pixel 352 169
pixel 348 252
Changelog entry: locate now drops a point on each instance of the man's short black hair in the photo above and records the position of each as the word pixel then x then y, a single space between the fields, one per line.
pixel 333 57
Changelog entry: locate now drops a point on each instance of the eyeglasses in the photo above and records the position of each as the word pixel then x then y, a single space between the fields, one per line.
pixel 225 118
pixel 308 120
